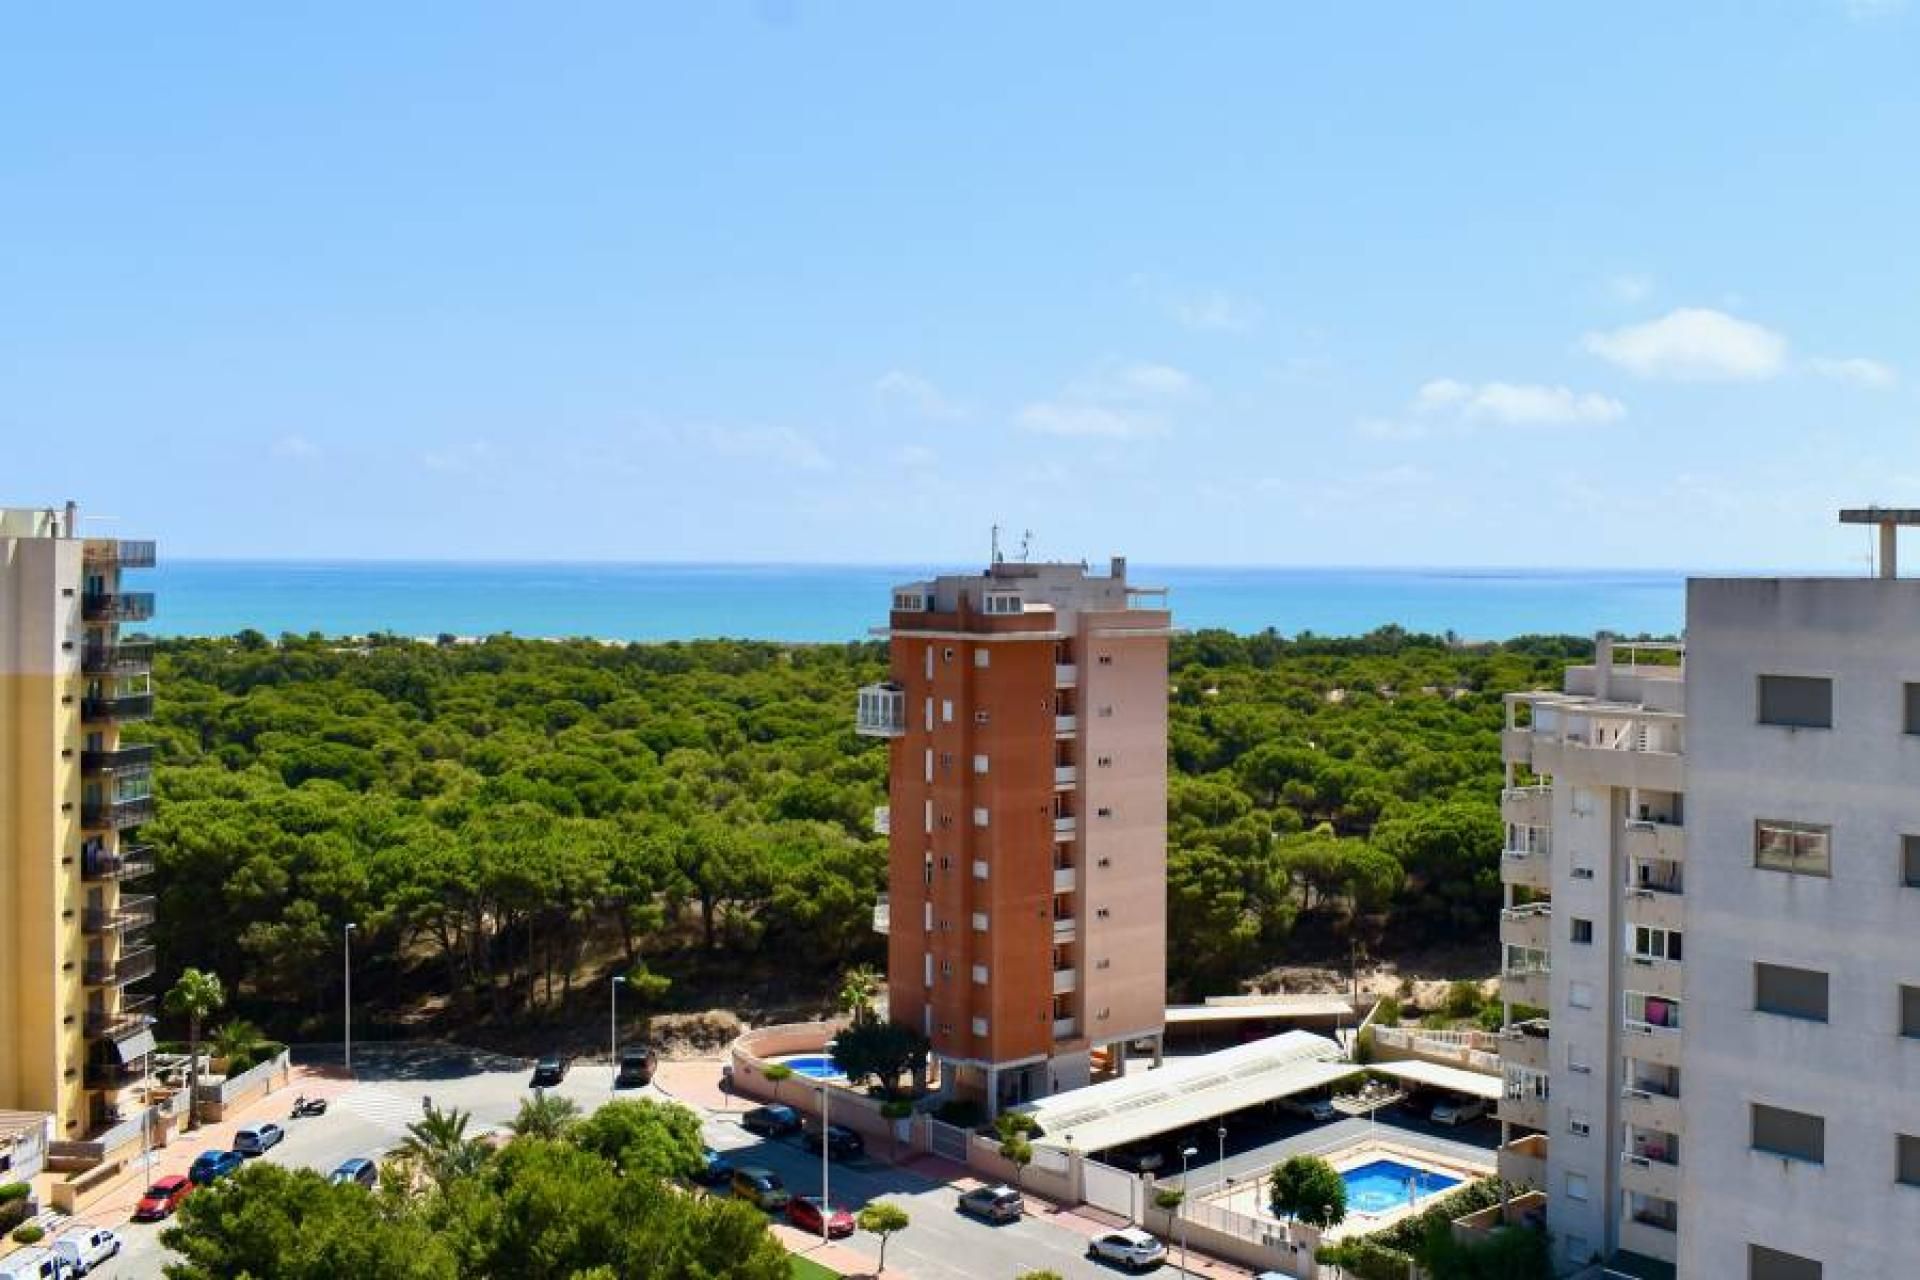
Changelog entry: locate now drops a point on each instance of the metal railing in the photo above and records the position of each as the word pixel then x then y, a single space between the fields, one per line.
pixel 113 1075
pixel 132 912
pixel 127 758
pixel 117 814
pixel 130 706
pixel 138 554
pixel 131 967
pixel 135 1014
pixel 122 657
pixel 130 863
pixel 122 606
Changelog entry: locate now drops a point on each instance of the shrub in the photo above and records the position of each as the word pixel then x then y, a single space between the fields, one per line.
pixel 13 1213
pixel 1169 1198
pixel 1364 1259
pixel 1363 1047
pixel 898 1109
pixel 1463 999
pixel 1388 1013
pixel 28 1233
pixel 14 1191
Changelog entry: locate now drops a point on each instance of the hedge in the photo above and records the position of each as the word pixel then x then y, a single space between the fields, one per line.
pixel 1386 1255
pixel 14 1191
pixel 29 1233
pixel 13 1213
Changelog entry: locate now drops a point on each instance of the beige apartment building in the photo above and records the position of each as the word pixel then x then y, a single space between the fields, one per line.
pixel 1026 713
pixel 74 1039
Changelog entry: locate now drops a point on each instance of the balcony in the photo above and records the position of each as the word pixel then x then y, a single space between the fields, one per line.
pixel 130 863
pixel 128 555
pixel 1652 1027
pixel 1652 839
pixel 882 915
pixel 1065 1028
pixel 1064 928
pixel 1655 1174
pixel 124 606
pixel 127 759
pixel 881 711
pixel 1065 675
pixel 882 820
pixel 1064 828
pixel 1650 1232
pixel 132 912
pixel 1526 1044
pixel 125 706
pixel 1065 775
pixel 1655 907
pixel 1655 976
pixel 132 656
pixel 1527 806
pixel 116 815
pixel 1648 1109
pixel 114 1075
pixel 133 966
pixel 1527 926
pixel 1637 749
pixel 1065 879
pixel 1528 1112
pixel 1523 1161
pixel 134 1015
pixel 1065 726
pixel 1065 980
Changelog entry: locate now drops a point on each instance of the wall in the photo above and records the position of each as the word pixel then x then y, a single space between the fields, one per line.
pixel 217 1100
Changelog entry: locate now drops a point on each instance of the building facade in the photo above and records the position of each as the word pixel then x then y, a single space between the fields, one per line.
pixel 1027 718
pixel 72 795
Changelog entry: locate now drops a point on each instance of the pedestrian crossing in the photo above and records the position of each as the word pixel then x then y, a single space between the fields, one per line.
pixel 391 1111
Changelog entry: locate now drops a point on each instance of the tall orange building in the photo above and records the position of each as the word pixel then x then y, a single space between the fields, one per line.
pixel 1027 906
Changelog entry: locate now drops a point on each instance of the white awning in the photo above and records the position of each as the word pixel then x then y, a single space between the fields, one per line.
pixel 135 1046
pixel 1453 1079
pixel 1256 1010
pixel 1188 1091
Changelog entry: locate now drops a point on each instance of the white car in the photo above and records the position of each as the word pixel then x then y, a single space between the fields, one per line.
pixel 1131 1248
pixel 1459 1111
pixel 84 1248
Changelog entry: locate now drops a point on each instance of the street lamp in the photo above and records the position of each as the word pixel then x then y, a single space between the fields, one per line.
pixel 1186 1154
pixel 346 965
pixel 613 1027
pixel 826 1150
pixel 1222 1132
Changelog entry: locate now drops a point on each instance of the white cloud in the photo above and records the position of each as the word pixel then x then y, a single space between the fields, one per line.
pixel 1693 344
pixel 782 446
pixel 1156 379
pixel 1630 286
pixel 1080 418
pixel 296 447
pixel 1216 312
pixel 1517 403
pixel 1858 370
pixel 917 395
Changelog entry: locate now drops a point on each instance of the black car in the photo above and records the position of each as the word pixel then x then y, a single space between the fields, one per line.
pixel 841 1142
pixel 771 1122
pixel 636 1068
pixel 550 1071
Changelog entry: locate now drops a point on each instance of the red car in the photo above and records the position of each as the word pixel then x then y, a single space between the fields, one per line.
pixel 804 1213
pixel 162 1198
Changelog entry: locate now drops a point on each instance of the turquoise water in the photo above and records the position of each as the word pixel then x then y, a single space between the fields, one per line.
pixel 814 1066
pixel 840 602
pixel 1381 1186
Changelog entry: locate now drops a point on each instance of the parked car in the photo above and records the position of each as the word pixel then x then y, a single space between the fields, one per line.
pixel 761 1188
pixel 1459 1111
pixel 257 1140
pixel 718 1170
pixel 805 1213
pixel 1130 1247
pixel 771 1122
pixel 31 1264
pixel 358 1170
pixel 993 1204
pixel 84 1248
pixel 636 1068
pixel 550 1071
pixel 211 1166
pixel 1309 1108
pixel 841 1142
pixel 162 1199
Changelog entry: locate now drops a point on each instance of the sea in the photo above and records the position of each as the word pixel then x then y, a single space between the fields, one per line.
pixel 835 603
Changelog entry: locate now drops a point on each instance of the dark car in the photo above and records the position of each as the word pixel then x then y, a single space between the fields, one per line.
pixel 771 1122
pixel 162 1199
pixel 805 1212
pixel 359 1170
pixel 841 1142
pixel 211 1166
pixel 636 1068
pixel 549 1071
pixel 717 1171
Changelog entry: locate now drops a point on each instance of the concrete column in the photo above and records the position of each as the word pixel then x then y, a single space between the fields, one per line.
pixel 1889 550
pixel 1159 1048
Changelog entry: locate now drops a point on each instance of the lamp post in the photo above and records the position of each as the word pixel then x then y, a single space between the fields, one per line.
pixel 826 1151
pixel 1222 1133
pixel 346 965
pixel 1186 1154
pixel 613 1028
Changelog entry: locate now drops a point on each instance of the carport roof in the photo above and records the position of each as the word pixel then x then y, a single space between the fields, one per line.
pixel 1237 1010
pixel 1188 1091
pixel 1414 1071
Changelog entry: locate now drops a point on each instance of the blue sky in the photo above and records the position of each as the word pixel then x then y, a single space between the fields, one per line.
pixel 1624 284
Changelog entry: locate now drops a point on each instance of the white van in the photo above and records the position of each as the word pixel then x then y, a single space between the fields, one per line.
pixel 84 1248
pixel 33 1264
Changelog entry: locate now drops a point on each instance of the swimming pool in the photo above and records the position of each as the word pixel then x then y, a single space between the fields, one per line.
pixel 1381 1186
pixel 814 1066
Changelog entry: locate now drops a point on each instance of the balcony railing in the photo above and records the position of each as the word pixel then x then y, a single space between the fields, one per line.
pixel 882 915
pixel 132 912
pixel 124 657
pixel 881 712
pixel 129 968
pixel 1064 1028
pixel 1063 927
pixel 128 555
pixel 120 760
pixel 1065 980
pixel 1527 911
pixel 1063 724
pixel 1063 827
pixel 1065 675
pixel 123 606
pixel 132 862
pixel 114 1075
pixel 134 1015
pixel 116 814
pixel 128 706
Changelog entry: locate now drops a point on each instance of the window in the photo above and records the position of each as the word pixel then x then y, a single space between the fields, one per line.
pixel 1792 1134
pixel 1579 1124
pixel 929 703
pixel 1103 762
pixel 1583 802
pixel 909 602
pixel 1103 812
pixel 929 958
pixel 1105 659
pixel 1912 722
pixel 1577 1186
pixel 979 764
pixel 980 817
pixel 1580 995
pixel 1582 873
pixel 1799 848
pixel 1655 944
pixel 946 711
pixel 1582 931
pixel 979 922
pixel 1790 992
pixel 1002 602
pixel 980 974
pixel 929 771
pixel 1910 1012
pixel 981 717
pixel 982 658
pixel 1910 861
pixel 979 868
pixel 1906 1159
pixel 929 662
pixel 927 915
pixel 979 1026
pixel 1797 702
pixel 1771 1264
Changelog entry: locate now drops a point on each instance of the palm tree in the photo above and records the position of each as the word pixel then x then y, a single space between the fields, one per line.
pixel 195 996
pixel 859 988
pixel 438 1144
pixel 548 1116
pixel 234 1038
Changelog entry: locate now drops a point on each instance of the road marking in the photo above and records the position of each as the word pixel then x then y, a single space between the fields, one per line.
pixel 389 1110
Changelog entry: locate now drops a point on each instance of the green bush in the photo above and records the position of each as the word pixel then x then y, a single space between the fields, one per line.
pixel 1388 1013
pixel 13 1213
pixel 28 1233
pixel 1169 1198
pixel 14 1191
pixel 1463 999
pixel 1364 1259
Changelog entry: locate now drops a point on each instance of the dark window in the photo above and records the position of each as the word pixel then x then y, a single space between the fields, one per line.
pixel 1906 1166
pixel 1912 723
pixel 1910 1011
pixel 1793 1134
pixel 1799 702
pixel 1582 930
pixel 1797 847
pixel 1789 992
pixel 1910 861
pixel 1771 1264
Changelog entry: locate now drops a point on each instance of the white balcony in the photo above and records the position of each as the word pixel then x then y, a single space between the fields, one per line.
pixel 1063 828
pixel 1656 841
pixel 1651 1235
pixel 1527 806
pixel 1527 926
pixel 1065 980
pixel 1064 929
pixel 1648 1176
pixel 882 915
pixel 1065 675
pixel 1525 986
pixel 1655 976
pixel 1656 908
pixel 1064 726
pixel 1526 869
pixel 882 820
pixel 1065 879
pixel 1065 775
pixel 1065 1028
pixel 1525 1044
pixel 882 711
pixel 1645 1109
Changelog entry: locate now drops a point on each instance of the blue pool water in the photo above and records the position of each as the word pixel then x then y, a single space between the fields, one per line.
pixel 814 1066
pixel 1381 1186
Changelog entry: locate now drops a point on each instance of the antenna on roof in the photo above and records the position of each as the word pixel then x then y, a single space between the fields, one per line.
pixel 996 544
pixel 1026 545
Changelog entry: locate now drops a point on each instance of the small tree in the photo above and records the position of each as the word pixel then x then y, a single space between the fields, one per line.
pixel 859 990
pixel 1013 1127
pixel 777 1074
pixel 438 1145
pixel 233 1040
pixel 197 995
pixel 547 1116
pixel 1307 1189
pixel 880 1218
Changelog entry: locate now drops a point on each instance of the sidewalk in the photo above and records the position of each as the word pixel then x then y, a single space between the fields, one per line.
pixel 838 1259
